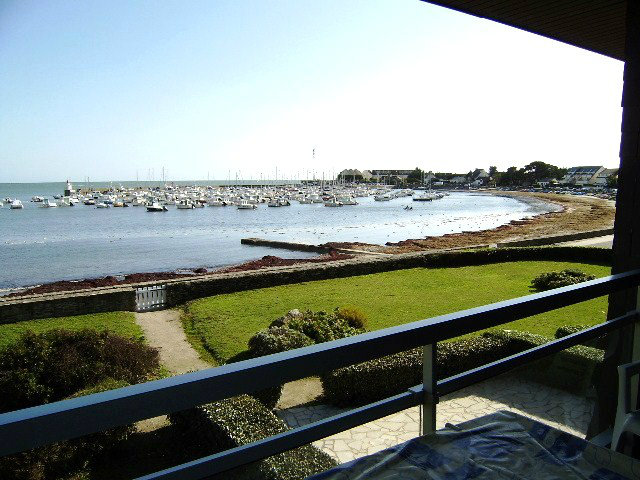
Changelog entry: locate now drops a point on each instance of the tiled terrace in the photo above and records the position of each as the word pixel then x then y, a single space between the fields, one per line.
pixel 555 407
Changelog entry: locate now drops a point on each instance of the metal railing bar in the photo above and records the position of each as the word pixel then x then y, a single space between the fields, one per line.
pixel 490 370
pixel 245 454
pixel 28 428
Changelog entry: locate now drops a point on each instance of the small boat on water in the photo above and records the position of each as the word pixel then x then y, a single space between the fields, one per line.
pixel 89 201
pixel 16 205
pixel 102 205
pixel 346 200
pixel 332 202
pixel 245 205
pixel 46 203
pixel 37 199
pixel 428 197
pixel 156 207
pixel 385 197
pixel 184 205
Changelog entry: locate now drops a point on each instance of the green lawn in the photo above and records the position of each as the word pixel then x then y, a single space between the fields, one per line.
pixel 223 324
pixel 122 323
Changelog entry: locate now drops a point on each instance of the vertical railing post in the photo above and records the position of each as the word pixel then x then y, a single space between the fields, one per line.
pixel 429 386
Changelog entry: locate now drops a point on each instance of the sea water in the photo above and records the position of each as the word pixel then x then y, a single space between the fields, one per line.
pixel 39 245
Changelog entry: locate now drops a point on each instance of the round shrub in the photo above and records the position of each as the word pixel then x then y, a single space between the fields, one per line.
pixel 323 327
pixel 354 316
pixel 551 280
pixel 277 339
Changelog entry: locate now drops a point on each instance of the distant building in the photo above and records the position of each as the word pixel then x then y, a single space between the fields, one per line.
pixel 459 180
pixel 381 175
pixel 603 177
pixel 350 175
pixel 581 176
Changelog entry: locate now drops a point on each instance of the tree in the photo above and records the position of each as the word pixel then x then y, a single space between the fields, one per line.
pixel 512 177
pixel 415 176
pixel 493 171
pixel 536 171
pixel 612 181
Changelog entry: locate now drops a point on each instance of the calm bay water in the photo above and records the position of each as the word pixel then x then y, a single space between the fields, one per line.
pixel 40 245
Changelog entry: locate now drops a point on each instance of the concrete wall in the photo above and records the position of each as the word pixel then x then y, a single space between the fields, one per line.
pixel 68 303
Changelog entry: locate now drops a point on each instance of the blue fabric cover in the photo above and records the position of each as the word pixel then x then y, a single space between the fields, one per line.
pixel 503 445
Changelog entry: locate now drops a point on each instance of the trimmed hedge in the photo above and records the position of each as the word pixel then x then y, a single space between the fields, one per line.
pixel 595 255
pixel 383 377
pixel 241 420
pixel 571 369
pixel 566 330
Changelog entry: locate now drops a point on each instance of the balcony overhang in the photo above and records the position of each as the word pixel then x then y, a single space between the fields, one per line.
pixel 595 25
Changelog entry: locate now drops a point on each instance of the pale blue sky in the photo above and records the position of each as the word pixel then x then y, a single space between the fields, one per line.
pixel 111 89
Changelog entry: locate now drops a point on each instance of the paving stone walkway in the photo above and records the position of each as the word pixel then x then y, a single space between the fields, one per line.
pixel 557 408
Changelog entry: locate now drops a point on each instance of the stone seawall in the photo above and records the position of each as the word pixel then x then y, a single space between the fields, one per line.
pixel 64 304
pixel 179 291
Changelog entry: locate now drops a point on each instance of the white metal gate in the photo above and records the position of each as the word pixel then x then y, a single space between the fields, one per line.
pixel 151 298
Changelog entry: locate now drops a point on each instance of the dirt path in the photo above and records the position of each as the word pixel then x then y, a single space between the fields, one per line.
pixel 163 330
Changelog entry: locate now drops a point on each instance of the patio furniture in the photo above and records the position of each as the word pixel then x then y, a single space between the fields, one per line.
pixel 627 417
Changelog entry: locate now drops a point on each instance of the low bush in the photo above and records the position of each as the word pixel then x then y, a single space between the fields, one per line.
pixel 59 364
pixel 354 316
pixel 322 326
pixel 45 367
pixel 277 339
pixel 296 330
pixel 62 459
pixel 551 280
pixel 240 420
pixel 383 377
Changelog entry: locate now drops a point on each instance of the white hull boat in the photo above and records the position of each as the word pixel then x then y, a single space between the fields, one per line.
pixel 156 207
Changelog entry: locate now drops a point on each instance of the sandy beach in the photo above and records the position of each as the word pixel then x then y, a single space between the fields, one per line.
pixel 576 214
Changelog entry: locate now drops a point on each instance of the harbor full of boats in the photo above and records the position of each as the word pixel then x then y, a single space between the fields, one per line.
pixel 44 244
pixel 160 199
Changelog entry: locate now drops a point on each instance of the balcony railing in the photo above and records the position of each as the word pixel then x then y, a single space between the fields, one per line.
pixel 32 427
